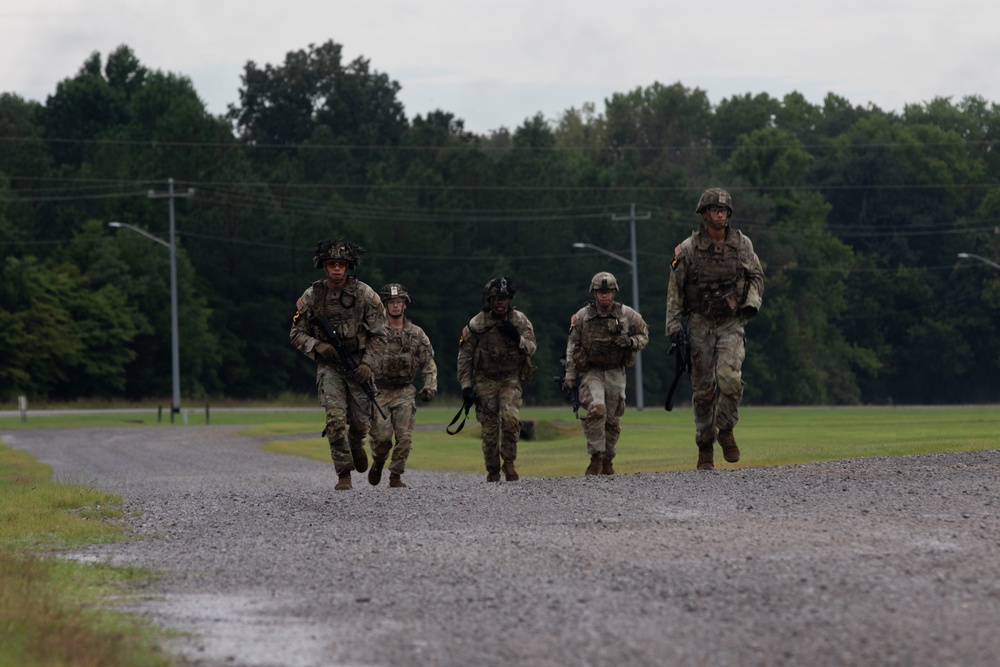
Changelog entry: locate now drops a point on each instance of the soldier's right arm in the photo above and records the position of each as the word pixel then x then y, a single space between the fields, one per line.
pixel 466 346
pixel 301 334
pixel 572 341
pixel 675 290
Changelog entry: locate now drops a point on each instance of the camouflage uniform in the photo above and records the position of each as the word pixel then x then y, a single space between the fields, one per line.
pixel 407 352
pixel 718 287
pixel 600 347
pixel 357 315
pixel 494 365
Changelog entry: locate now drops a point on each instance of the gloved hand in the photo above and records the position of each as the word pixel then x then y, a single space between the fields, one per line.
pixel 363 373
pixel 748 312
pixel 508 329
pixel 427 394
pixel 621 340
pixel 468 395
pixel 568 385
pixel 326 351
pixel 675 338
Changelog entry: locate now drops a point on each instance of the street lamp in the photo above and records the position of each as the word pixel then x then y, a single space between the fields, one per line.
pixel 634 266
pixel 175 358
pixel 969 255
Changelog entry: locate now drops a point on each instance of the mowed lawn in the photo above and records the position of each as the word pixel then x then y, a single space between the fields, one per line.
pixel 654 440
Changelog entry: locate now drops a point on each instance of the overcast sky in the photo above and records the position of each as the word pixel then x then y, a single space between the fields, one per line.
pixel 494 63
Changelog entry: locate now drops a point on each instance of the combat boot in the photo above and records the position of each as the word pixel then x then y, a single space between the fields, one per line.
pixel 608 467
pixel 492 475
pixel 360 458
pixel 706 458
pixel 375 473
pixel 596 464
pixel 730 451
pixel 395 482
pixel 509 473
pixel 344 483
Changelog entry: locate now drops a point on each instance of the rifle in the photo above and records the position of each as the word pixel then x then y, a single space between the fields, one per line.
pixel 574 394
pixel 466 406
pixel 347 361
pixel 681 347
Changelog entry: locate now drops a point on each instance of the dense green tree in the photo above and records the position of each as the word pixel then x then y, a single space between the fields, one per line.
pixel 857 215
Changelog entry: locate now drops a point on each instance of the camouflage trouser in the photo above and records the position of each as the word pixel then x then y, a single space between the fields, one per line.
pixel 717 353
pixel 399 404
pixel 602 393
pixel 348 415
pixel 497 405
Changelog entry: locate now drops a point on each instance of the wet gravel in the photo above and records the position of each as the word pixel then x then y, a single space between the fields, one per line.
pixel 883 561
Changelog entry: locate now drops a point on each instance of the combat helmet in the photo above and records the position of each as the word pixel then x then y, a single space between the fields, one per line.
pixel 715 197
pixel 394 291
pixel 502 287
pixel 334 249
pixel 603 281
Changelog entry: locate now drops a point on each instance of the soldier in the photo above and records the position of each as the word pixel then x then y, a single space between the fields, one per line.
pixel 407 352
pixel 716 282
pixel 494 360
pixel 357 317
pixel 605 337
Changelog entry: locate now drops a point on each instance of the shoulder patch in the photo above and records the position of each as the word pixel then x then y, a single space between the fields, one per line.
pixel 677 255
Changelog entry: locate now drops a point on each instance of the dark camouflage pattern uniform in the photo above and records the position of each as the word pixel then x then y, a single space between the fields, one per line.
pixel 358 316
pixel 710 284
pixel 408 351
pixel 600 347
pixel 495 366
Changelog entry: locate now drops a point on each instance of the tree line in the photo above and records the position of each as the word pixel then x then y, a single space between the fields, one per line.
pixel 857 214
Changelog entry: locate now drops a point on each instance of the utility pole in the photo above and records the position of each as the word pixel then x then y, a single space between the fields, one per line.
pixel 639 402
pixel 175 357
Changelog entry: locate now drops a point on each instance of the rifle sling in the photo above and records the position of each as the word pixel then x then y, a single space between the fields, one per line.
pixel 466 407
pixel 678 372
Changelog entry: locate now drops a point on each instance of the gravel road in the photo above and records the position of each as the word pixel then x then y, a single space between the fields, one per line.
pixel 886 561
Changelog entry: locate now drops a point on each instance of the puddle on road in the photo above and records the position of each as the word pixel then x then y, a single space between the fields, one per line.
pixel 244 630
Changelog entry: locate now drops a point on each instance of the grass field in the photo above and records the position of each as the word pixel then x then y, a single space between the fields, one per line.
pixel 656 440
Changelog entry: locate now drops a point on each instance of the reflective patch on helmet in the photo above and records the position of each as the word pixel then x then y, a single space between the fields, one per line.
pixel 394 290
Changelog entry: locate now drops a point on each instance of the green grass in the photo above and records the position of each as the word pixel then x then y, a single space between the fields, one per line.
pixel 54 611
pixel 656 440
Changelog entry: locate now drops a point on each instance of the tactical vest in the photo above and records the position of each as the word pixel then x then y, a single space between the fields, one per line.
pixel 716 280
pixel 346 312
pixel 399 363
pixel 496 355
pixel 597 348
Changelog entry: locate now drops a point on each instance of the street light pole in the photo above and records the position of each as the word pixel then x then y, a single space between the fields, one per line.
pixel 175 353
pixel 639 402
pixel 969 255
pixel 175 357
